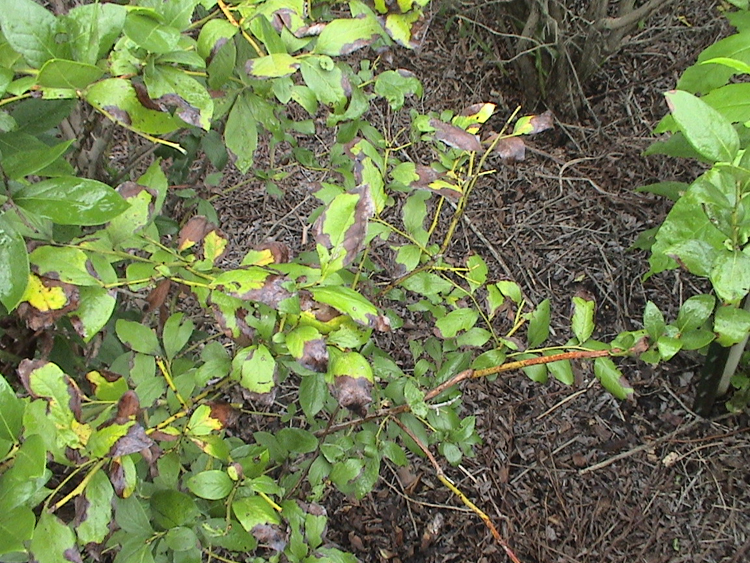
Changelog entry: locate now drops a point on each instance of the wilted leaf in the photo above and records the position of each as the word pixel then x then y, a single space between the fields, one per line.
pixel 533 124
pixel 134 441
pixel 509 148
pixel 455 136
pixel 343 226
pixel 352 382
pixel 45 301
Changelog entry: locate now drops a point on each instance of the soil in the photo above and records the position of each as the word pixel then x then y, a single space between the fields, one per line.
pixel 568 474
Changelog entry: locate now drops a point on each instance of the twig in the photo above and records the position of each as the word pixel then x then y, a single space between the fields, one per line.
pixel 464 499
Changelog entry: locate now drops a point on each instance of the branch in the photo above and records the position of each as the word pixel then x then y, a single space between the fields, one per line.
pixel 633 17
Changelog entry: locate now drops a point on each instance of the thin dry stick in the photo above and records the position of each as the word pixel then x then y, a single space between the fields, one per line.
pixel 464 499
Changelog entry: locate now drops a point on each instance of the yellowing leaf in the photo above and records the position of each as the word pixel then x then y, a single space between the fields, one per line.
pixel 42 297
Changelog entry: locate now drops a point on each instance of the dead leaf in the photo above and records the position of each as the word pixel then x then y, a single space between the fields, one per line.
pixel 510 148
pixel 455 136
pixel 541 122
pixel 225 413
pixel 128 407
pixel 45 301
pixel 353 393
pixel 315 355
pixel 136 440
pixel 158 295
pixel 193 232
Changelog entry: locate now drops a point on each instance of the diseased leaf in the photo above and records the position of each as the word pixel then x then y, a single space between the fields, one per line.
pixel 255 368
pixel 455 137
pixel 344 36
pixel 352 379
pixel 117 99
pixel 512 149
pixel 308 347
pixel 47 381
pixel 533 124
pixel 272 66
pixel 53 541
pixel 343 226
pixel 94 509
pixel 349 302
pixel 45 301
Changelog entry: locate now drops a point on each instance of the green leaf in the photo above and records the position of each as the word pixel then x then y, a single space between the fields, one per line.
pixel 313 393
pixel 611 378
pixel 344 36
pixel 171 509
pixel 324 79
pixel 212 33
pixel 456 321
pixel 241 132
pixel 731 324
pixel 255 369
pixel 142 26
pixel 27 476
pixel 582 322
pixel 71 201
pixel 93 520
pixel 64 263
pixel 132 516
pixel 93 30
pixel 730 276
pixel 95 308
pixel 201 422
pixel 477 275
pixel 61 73
pixel 670 190
pixel 212 485
pixel 272 66
pixel 653 321
pixel 562 371
pixel 30 30
pixel 137 337
pixel 427 284
pixel 696 339
pixel 297 440
pixel 706 130
pixel 348 302
pixel 117 99
pixel 538 330
pixel 53 541
pixel 252 511
pixel 11 412
pixel 668 346
pixel 694 312
pixel 14 265
pixel 395 85
pixel 704 78
pixel 24 155
pixel 177 332
pixel 16 529
pixel 180 540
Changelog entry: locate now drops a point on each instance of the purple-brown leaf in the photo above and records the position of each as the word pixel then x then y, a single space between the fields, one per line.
pixel 455 136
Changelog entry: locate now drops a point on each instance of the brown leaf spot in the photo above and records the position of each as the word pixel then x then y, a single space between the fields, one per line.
pixel 270 535
pixel 118 114
pixel 455 136
pixel 194 231
pixel 315 355
pixel 352 393
pixel 279 251
pixel 271 293
pixel 128 407
pixel 158 295
pixel 27 367
pixel 188 113
pixel 225 413
pixel 134 441
pixel 36 319
pixel 146 101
